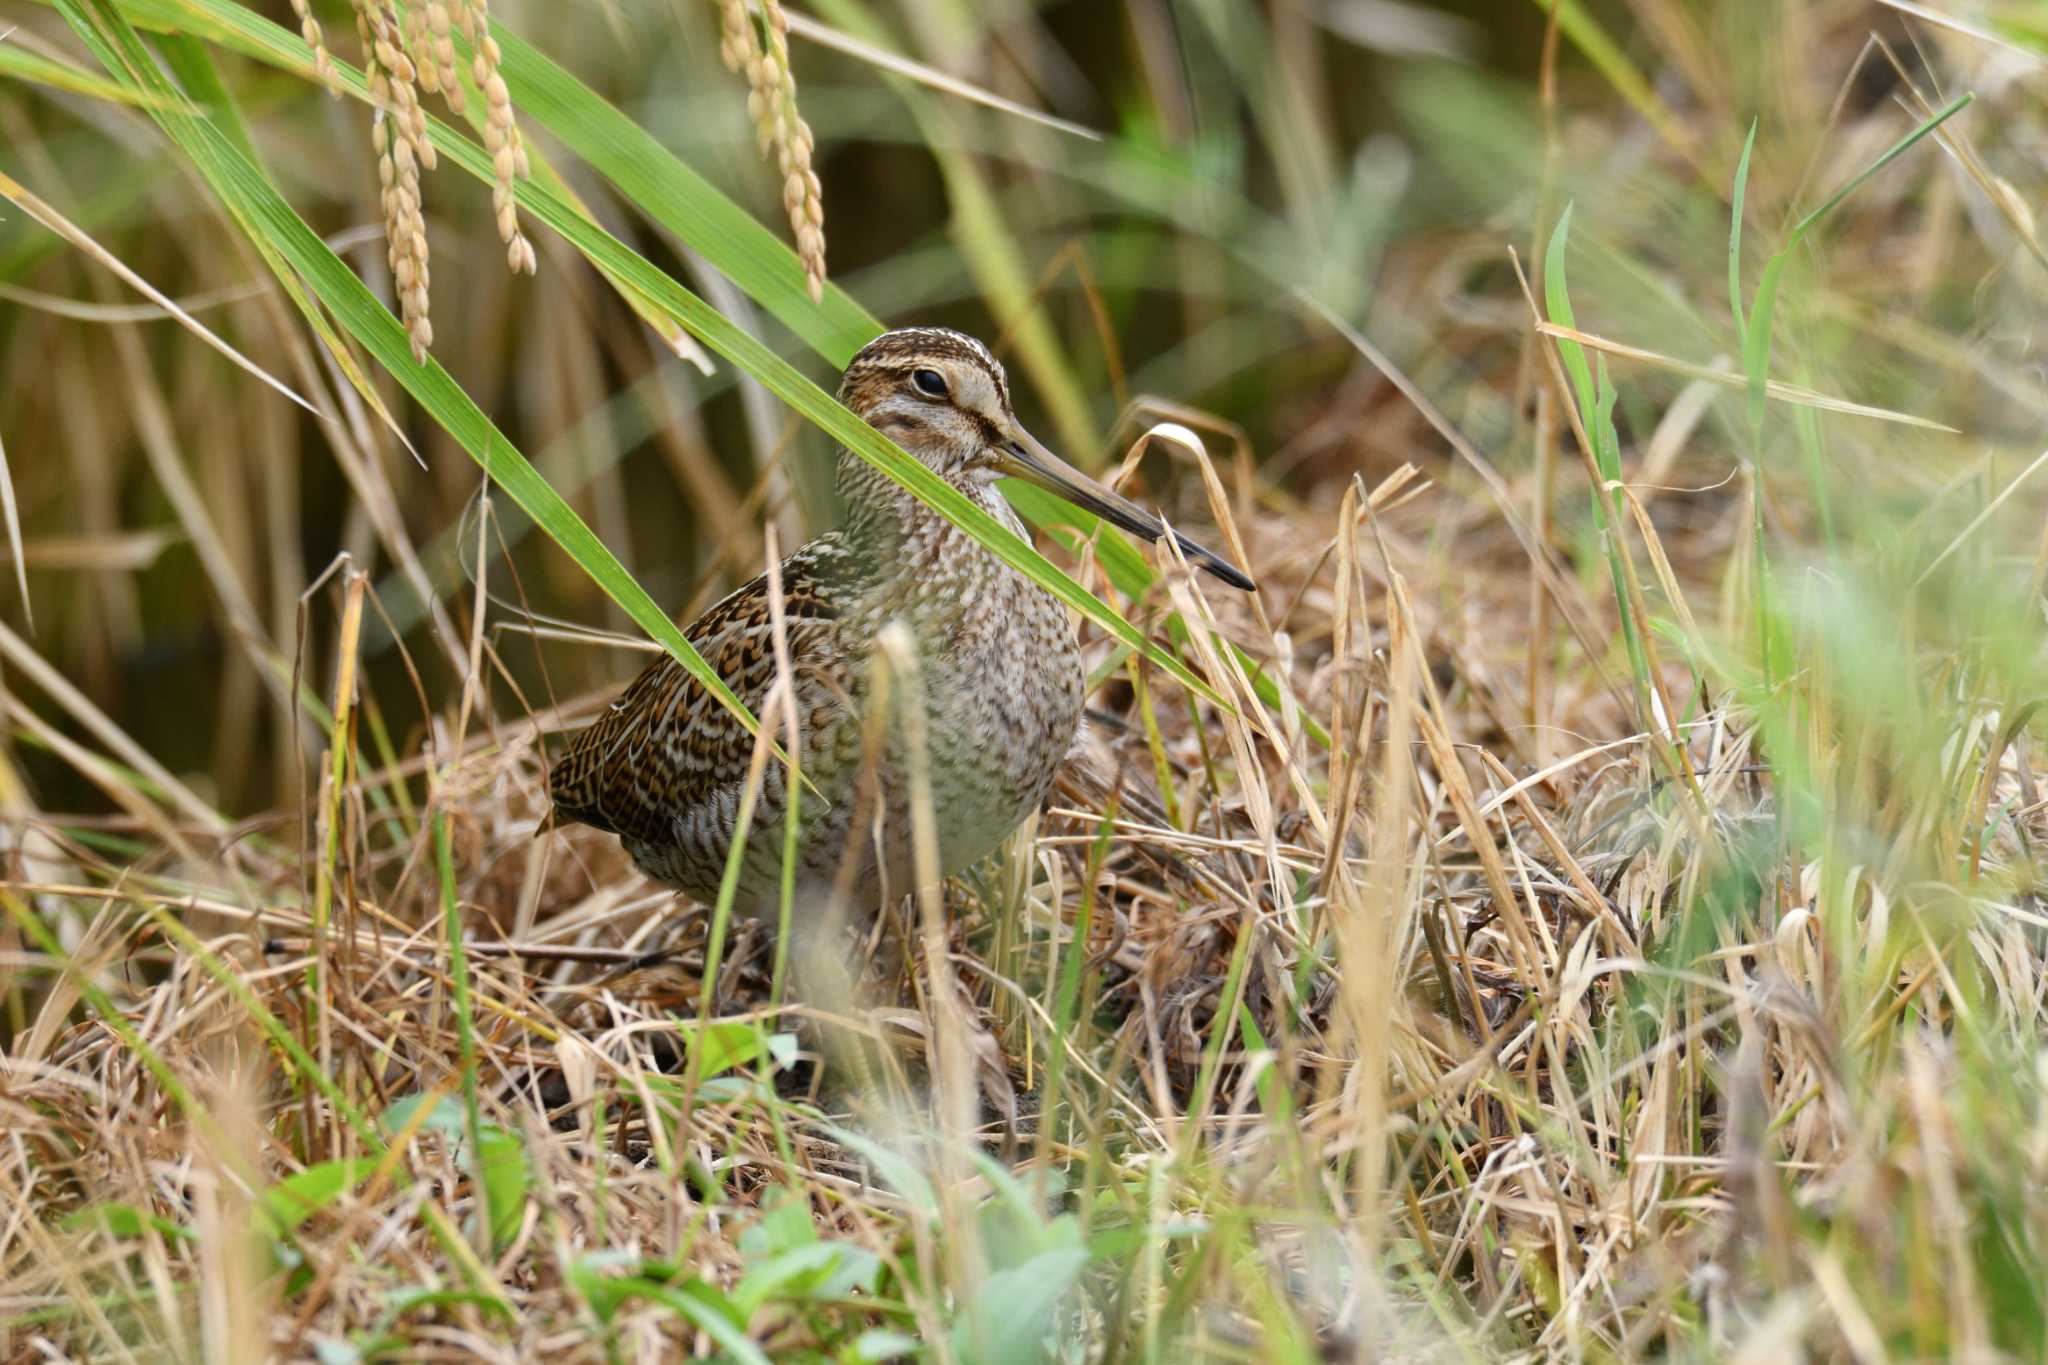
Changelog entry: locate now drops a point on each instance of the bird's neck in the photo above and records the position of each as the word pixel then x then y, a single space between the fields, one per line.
pixel 892 528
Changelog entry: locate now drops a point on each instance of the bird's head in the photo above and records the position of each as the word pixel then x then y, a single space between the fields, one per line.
pixel 945 399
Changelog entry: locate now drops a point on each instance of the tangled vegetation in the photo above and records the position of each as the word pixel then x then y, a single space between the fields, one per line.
pixel 1585 905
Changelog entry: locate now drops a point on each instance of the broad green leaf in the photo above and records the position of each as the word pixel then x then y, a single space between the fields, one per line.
pixel 506 1177
pixel 126 1222
pixel 729 1043
pixel 783 1226
pixel 1008 1321
pixel 297 1197
pixel 820 1270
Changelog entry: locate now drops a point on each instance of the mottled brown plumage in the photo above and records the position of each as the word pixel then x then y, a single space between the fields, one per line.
pixel 999 669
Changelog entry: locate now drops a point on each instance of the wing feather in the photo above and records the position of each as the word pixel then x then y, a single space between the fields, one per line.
pixel 667 746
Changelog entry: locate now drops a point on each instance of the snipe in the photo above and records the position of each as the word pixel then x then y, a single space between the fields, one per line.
pixel 1001 673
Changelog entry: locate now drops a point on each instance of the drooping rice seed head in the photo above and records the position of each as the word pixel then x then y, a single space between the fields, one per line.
pixel 736 39
pixel 439 29
pixel 501 134
pixel 323 61
pixel 419 42
pixel 401 93
pixel 405 229
pixel 404 53
pixel 771 104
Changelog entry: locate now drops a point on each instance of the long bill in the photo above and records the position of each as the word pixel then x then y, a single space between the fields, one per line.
pixel 1024 458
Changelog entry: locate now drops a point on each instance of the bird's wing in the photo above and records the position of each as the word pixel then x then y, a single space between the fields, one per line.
pixel 666 745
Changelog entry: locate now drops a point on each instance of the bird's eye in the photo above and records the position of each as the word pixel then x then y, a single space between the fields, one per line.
pixel 930 383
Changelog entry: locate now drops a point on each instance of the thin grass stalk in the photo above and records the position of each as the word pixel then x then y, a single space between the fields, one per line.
pixel 1367 997
pixel 792 787
pixel 334 783
pixel 465 1024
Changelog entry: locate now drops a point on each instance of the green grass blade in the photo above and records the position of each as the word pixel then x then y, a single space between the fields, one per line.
pixel 1559 303
pixel 1897 150
pixel 1756 338
pixel 1735 231
pixel 27 66
pixel 1596 413
pixel 1756 342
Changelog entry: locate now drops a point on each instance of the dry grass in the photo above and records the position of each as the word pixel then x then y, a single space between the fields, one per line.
pixel 1590 946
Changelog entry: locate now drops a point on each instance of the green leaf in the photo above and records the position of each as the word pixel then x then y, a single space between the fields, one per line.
pixel 821 1270
pixel 783 1226
pixel 1735 231
pixel 730 1043
pixel 1756 342
pixel 27 66
pixel 297 1197
pixel 506 1176
pixel 1008 1322
pixel 602 1292
pixel 1557 299
pixel 125 1222
pixel 500 1168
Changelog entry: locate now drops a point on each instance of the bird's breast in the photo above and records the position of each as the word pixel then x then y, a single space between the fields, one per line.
pixel 1004 687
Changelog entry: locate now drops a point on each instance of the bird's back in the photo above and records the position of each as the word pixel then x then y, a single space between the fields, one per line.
pixel 664 765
